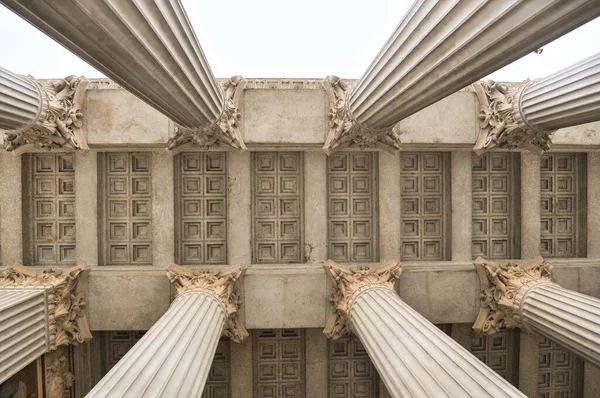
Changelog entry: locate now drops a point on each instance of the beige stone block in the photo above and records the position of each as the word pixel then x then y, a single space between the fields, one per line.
pixel 11 224
pixel 163 213
pixel 86 207
pixel 389 205
pixel 583 134
pixel 239 208
pixel 452 120
pixel 442 296
pixel 285 297
pixel 317 372
pixel 127 299
pixel 117 117
pixel 284 116
pixel 315 205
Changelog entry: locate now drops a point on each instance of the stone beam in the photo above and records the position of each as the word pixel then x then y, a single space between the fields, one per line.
pixel 40 311
pixel 174 357
pixel 438 48
pixel 150 49
pixel 522 294
pixel 413 357
pixel 526 115
pixel 42 114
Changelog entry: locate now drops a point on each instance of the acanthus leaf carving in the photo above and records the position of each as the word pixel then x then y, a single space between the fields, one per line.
pixel 225 131
pixel 501 122
pixel 58 125
pixel 221 283
pixel 65 290
pixel 503 287
pixel 59 378
pixel 348 282
pixel 344 130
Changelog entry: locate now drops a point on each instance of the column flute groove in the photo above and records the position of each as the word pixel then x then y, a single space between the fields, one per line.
pixel 174 357
pixel 522 295
pixel 438 48
pixel 412 356
pixel 526 115
pixel 150 49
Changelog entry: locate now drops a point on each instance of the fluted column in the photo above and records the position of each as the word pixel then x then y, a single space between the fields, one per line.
pixel 413 357
pixel 438 48
pixel 149 48
pixel 174 357
pixel 526 115
pixel 523 295
pixel 40 311
pixel 42 114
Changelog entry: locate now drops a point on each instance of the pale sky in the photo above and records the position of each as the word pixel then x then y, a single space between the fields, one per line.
pixel 283 38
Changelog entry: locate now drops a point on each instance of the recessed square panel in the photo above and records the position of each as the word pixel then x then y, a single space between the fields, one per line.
pixel 480 205
pixel 141 231
pixel 215 253
pixel 479 248
pixel 215 185
pixel 361 229
pixel 410 249
pixel 46 254
pixel 44 186
pixel 118 232
pixel 361 162
pixel 361 251
pixel 338 184
pixel 361 207
pixel 117 186
pixel 289 162
pixel 266 230
pixel 140 186
pixel 432 184
pixel 499 226
pixel 265 185
pixel 265 162
pixel 44 163
pixel 65 163
pixel 118 163
pixel 499 205
pixel 215 163
pixel 410 228
pixel 66 209
pixel 192 230
pixel 289 185
pixel 289 230
pixel 432 249
pixel 140 163
pixel 44 209
pixel 192 162
pixel 432 162
pixel 410 206
pixel 192 208
pixel 361 185
pixel 215 230
pixel 499 161
pixel 117 208
pixel 432 228
pixel 410 185
pixel 480 183
pixel 290 252
pixel 338 229
pixel 266 252
pixel 141 207
pixel 410 162
pixel 338 207
pixel 289 207
pixel 499 184
pixel 215 208
pixel 192 185
pixel 265 207
pixel 66 186
pixel 338 162
pixel 499 248
pixel 192 253
pixel 67 254
pixel 432 206
pixel 44 232
pixel 142 254
pixel 480 227
pixel 118 254
pixel 339 251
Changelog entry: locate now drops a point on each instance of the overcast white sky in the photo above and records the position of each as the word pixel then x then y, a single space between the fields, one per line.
pixel 282 38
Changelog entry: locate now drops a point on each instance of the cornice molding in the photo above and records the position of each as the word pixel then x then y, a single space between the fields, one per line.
pixel 223 284
pixel 502 124
pixel 225 131
pixel 59 122
pixel 503 287
pixel 348 282
pixel 65 289
pixel 344 130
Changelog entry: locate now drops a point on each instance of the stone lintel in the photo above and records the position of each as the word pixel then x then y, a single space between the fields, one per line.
pixel 225 131
pixel 350 281
pixel 502 125
pixel 344 130
pixel 503 287
pixel 221 283
pixel 66 299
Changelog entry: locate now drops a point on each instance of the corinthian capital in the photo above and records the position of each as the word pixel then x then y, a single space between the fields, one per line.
pixel 59 121
pixel 223 284
pixel 348 282
pixel 502 123
pixel 503 287
pixel 65 293
pixel 225 131
pixel 344 130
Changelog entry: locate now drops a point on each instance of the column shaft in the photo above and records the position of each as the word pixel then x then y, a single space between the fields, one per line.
pixel 23 329
pixel 414 357
pixel 147 47
pixel 174 357
pixel 566 98
pixel 20 101
pixel 569 318
pixel 442 46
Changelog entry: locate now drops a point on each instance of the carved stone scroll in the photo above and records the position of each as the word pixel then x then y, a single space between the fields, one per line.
pixel 344 130
pixel 501 123
pixel 59 122
pixel 224 131
pixel 348 282
pixel 65 296
pixel 503 287
pixel 223 284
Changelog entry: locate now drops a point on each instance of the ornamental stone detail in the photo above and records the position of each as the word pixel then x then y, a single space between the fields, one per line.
pixel 344 130
pixel 223 284
pixel 225 131
pixel 503 287
pixel 59 378
pixel 65 289
pixel 348 282
pixel 502 124
pixel 60 118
